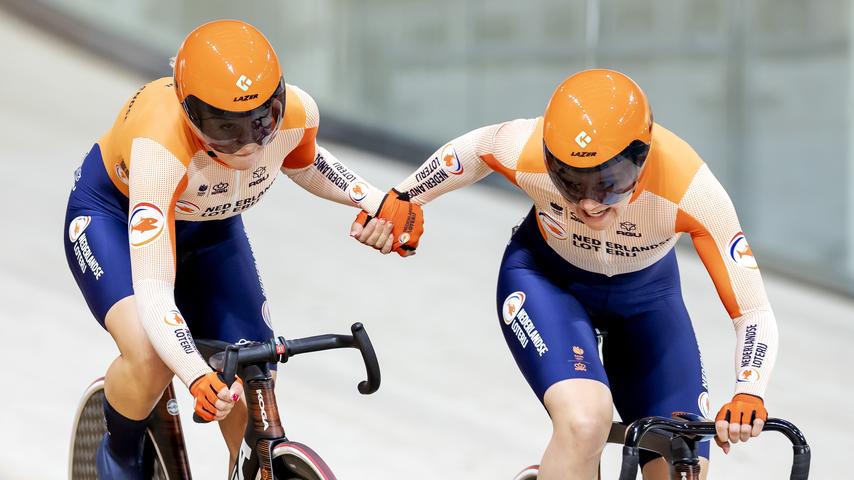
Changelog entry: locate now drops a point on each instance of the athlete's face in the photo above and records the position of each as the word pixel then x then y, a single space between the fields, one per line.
pixel 599 216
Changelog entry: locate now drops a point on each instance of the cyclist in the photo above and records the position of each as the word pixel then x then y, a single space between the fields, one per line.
pixel 154 235
pixel 612 193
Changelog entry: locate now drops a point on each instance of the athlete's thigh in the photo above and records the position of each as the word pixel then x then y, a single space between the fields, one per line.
pixel 96 248
pixel 218 286
pixel 653 362
pixel 546 328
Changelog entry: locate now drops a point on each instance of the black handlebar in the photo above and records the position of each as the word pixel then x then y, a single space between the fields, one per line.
pixel 279 349
pixel 700 430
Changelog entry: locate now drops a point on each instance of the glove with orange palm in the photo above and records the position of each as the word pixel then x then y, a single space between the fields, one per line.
pixel 743 417
pixel 214 400
pixel 398 226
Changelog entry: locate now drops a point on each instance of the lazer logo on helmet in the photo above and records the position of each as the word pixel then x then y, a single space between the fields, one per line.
pixel 583 154
pixel 244 83
pixel 246 98
pixel 582 139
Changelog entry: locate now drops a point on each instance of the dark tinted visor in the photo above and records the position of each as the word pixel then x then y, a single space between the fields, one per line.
pixel 228 132
pixel 607 183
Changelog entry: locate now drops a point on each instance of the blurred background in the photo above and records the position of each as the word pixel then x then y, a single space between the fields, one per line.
pixel 762 89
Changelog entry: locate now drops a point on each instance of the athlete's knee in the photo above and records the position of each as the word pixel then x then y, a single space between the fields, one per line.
pixel 581 412
pixel 586 432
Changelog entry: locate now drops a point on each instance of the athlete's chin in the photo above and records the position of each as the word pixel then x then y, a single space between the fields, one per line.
pixel 598 222
pixel 240 162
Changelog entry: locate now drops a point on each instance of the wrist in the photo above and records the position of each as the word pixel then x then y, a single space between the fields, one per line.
pixel 371 199
pixel 747 397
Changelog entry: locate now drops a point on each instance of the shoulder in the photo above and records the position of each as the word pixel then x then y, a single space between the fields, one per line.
pixel 300 109
pixel 671 167
pixel 530 137
pixel 154 113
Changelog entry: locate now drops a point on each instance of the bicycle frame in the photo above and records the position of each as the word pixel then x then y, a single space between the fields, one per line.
pixel 264 439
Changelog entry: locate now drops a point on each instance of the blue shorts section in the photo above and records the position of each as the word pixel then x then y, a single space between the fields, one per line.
pixel 549 310
pixel 218 289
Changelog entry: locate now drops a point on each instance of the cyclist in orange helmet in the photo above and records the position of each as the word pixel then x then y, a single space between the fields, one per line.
pixel 612 192
pixel 154 236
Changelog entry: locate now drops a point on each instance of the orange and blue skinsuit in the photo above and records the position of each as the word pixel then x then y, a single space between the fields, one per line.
pixel 560 280
pixel 153 214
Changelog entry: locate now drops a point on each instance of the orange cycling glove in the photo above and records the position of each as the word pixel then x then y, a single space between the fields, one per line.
pixel 743 409
pixel 406 217
pixel 205 389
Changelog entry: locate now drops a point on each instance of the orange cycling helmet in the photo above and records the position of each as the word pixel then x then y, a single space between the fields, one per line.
pixel 596 134
pixel 228 79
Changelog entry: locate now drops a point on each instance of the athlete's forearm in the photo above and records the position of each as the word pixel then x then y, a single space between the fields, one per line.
pixel 756 351
pixel 167 331
pixel 328 178
pixel 453 166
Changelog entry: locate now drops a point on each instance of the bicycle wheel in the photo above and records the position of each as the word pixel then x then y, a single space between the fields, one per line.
pixel 295 461
pixel 89 428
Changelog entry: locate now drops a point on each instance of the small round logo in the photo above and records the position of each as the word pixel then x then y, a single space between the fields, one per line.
pixel 551 226
pixel 451 161
pixel 173 319
pixel 186 208
pixel 748 375
pixel 577 350
pixel 265 314
pixel 703 403
pixel 358 191
pixel 740 252
pixel 512 304
pixel 76 227
pixel 172 407
pixel 145 224
pixel 404 237
pixel 121 174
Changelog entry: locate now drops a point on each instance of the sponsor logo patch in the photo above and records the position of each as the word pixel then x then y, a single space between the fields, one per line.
pixel 358 191
pixel 259 175
pixel 77 226
pixel 122 172
pixel 145 224
pixel 748 375
pixel 186 208
pixel 220 187
pixel 628 229
pixel 404 237
pixel 512 304
pixel 552 226
pixel 451 161
pixel 703 403
pixel 740 252
pixel 173 319
pixel 172 407
pixel 85 256
pixel 265 314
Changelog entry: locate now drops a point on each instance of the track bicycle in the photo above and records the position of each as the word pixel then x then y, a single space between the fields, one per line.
pixel 676 439
pixel 265 452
